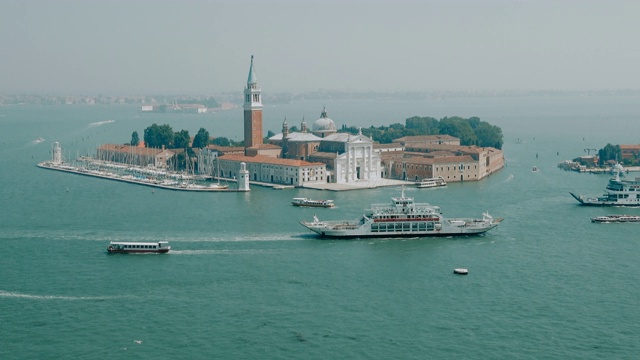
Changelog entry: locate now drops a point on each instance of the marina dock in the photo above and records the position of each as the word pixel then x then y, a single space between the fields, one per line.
pixel 162 184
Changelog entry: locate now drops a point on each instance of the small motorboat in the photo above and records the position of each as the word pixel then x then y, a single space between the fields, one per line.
pixel 461 271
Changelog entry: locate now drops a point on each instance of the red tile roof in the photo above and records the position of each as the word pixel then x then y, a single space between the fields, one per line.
pixel 263 159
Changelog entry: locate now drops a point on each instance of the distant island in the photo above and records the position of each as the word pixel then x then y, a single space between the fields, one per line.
pixel 287 97
pixel 609 157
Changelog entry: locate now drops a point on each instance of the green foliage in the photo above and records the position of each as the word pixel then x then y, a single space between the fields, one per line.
pixel 609 152
pixel 459 128
pixel 135 140
pixel 181 139
pixel 488 135
pixel 470 131
pixel 156 136
pixel 221 141
pixel 201 139
pixel 266 138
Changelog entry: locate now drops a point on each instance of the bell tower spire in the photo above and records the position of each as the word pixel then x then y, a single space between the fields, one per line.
pixel 252 110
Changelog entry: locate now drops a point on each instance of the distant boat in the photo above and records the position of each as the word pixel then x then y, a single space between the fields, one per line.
pixel 431 182
pixel 535 169
pixel 619 192
pixel 615 219
pixel 312 203
pixel 160 247
pixel 402 218
pixel 461 271
pixel 617 169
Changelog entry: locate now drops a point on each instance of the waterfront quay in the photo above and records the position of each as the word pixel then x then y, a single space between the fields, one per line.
pixel 176 182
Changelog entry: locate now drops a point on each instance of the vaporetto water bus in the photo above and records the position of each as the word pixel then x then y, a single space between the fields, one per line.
pixel 401 218
pixel 619 192
pixel 160 247
pixel 615 219
pixel 431 183
pixel 312 203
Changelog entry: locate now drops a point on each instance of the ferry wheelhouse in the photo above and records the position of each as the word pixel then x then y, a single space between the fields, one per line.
pixel 312 203
pixel 160 247
pixel 402 218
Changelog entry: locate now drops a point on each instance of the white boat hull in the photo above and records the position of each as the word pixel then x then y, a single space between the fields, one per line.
pixel 363 228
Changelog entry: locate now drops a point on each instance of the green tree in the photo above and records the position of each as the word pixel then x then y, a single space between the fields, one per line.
pixel 460 128
pixel 201 139
pixel 423 125
pixel 221 141
pixel 488 135
pixel 135 140
pixel 156 136
pixel 181 139
pixel 609 152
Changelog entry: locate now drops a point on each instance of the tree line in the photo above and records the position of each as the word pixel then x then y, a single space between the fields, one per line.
pixel 158 136
pixel 471 131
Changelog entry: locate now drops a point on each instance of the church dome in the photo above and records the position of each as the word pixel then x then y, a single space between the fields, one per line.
pixel 324 124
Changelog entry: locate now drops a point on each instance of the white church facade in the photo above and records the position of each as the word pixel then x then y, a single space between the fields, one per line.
pixel 349 158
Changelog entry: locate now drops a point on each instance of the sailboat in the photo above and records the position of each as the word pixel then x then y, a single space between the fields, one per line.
pixel 218 185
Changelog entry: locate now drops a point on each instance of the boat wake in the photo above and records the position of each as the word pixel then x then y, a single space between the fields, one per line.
pixel 8 294
pixel 100 123
pixel 36 141
pixel 217 252
pixel 509 178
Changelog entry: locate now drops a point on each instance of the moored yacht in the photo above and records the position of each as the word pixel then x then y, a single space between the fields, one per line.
pixel 401 218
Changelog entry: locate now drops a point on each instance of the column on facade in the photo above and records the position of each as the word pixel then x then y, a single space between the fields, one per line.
pixel 372 169
pixel 365 171
pixel 354 164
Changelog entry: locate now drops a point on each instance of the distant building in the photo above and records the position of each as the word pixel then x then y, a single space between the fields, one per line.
pixel 452 162
pixel 348 157
pixel 630 152
pixel 223 150
pixel 135 155
pixel 267 169
pixel 428 140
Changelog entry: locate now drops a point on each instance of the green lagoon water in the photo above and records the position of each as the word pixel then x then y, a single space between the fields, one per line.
pixel 246 281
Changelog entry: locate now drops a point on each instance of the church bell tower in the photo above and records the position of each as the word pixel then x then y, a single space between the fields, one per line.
pixel 252 110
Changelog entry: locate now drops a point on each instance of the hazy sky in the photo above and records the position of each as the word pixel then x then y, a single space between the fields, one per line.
pixel 204 47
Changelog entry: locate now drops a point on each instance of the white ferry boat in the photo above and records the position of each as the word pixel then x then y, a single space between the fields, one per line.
pixel 401 218
pixel 312 203
pixel 432 182
pixel 160 247
pixel 619 192
pixel 615 218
